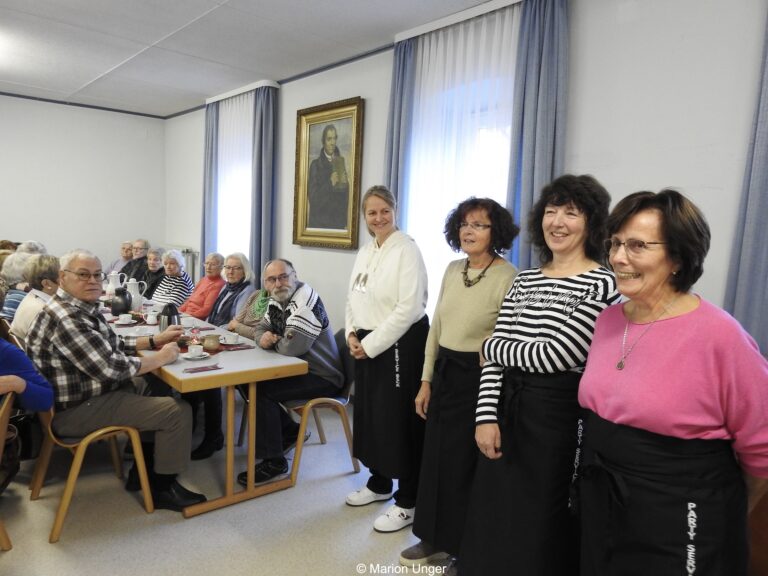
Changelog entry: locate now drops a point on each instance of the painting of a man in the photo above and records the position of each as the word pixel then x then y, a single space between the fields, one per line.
pixel 328 185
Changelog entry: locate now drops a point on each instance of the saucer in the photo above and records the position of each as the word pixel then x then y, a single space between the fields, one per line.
pixel 131 323
pixel 202 356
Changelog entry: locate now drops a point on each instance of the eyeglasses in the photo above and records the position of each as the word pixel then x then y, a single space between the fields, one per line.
pixel 476 226
pixel 139 248
pixel 212 265
pixel 282 278
pixel 86 276
pixel 632 246
pixel 233 267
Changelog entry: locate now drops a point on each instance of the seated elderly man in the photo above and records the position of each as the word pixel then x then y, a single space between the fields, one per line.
pixel 91 371
pixel 126 255
pixel 137 268
pixel 200 303
pixel 295 324
pixel 42 275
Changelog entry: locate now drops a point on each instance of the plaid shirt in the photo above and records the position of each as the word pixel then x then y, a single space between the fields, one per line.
pixel 75 349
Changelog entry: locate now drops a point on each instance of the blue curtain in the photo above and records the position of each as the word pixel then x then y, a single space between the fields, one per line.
pixel 399 122
pixel 746 295
pixel 210 180
pixel 263 179
pixel 538 123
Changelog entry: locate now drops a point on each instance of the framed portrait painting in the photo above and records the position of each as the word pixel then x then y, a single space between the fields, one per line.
pixel 329 148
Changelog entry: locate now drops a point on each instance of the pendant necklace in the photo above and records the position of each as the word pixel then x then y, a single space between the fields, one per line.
pixel 624 354
pixel 469 283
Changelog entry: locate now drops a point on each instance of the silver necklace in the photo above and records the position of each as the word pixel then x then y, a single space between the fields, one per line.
pixel 622 361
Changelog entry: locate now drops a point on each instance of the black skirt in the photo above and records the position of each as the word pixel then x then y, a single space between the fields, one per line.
pixel 519 519
pixel 388 434
pixel 655 504
pixel 450 452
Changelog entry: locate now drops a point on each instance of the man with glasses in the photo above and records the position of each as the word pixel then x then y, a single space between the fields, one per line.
pixel 92 369
pixel 137 268
pixel 200 303
pixel 295 324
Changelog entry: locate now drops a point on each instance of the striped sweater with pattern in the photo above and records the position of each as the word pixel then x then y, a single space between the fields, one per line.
pixel 545 326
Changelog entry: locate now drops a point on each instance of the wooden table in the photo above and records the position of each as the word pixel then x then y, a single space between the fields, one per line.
pixel 238 367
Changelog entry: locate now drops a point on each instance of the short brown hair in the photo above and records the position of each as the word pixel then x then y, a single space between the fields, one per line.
pixel 683 228
pixel 503 228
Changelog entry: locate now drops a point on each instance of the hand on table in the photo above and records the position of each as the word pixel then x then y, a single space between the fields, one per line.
pixel 269 340
pixel 170 334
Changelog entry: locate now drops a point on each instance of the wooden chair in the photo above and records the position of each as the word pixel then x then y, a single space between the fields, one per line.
pixel 5 328
pixel 305 407
pixel 5 415
pixel 78 447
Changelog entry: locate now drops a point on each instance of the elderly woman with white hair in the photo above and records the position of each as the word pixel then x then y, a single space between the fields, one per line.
pixel 13 274
pixel 176 285
pixel 239 286
pixel 32 247
pixel 42 275
pixel 231 300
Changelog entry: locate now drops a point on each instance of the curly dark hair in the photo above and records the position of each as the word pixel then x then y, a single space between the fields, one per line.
pixel 683 228
pixel 503 228
pixel 586 194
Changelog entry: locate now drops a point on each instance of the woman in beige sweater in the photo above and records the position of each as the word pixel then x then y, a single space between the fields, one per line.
pixel 470 297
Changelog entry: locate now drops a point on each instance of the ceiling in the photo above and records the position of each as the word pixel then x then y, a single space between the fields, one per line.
pixel 162 57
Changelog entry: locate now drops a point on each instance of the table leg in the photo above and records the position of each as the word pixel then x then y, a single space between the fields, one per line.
pixel 230 496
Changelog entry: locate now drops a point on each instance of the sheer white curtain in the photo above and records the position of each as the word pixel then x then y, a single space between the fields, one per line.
pixel 462 117
pixel 235 159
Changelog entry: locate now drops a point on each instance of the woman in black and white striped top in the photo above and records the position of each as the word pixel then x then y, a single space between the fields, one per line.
pixel 527 409
pixel 176 285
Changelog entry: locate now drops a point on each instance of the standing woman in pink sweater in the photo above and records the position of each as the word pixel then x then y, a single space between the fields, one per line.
pixel 676 392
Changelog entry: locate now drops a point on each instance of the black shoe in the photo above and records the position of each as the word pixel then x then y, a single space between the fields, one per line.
pixel 176 498
pixel 289 443
pixel 265 471
pixel 207 448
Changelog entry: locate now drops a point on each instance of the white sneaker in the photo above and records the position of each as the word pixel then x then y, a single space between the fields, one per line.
pixel 365 496
pixel 394 519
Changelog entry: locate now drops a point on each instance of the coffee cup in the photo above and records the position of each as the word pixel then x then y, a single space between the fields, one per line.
pixel 150 318
pixel 124 319
pixel 231 338
pixel 188 321
pixel 194 350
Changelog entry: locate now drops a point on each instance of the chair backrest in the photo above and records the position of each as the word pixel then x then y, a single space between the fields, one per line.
pixel 6 406
pixel 347 362
pixel 18 342
pixel 5 328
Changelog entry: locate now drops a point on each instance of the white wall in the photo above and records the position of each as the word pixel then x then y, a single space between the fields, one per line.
pixel 184 155
pixel 79 178
pixel 328 270
pixel 662 94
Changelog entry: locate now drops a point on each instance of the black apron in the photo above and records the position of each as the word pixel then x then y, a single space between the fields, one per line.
pixel 450 452
pixel 388 434
pixel 519 519
pixel 655 504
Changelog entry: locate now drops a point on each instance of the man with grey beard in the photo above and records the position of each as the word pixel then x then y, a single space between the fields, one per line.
pixel 295 324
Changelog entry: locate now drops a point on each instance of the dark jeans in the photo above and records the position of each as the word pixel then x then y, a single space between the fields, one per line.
pixel 272 420
pixel 405 495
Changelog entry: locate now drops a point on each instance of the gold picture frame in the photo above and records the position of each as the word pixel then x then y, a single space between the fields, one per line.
pixel 329 149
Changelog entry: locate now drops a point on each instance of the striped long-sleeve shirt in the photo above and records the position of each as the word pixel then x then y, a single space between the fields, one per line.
pixel 173 289
pixel 545 326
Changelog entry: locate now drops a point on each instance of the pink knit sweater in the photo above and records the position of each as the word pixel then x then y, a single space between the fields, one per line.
pixel 699 375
